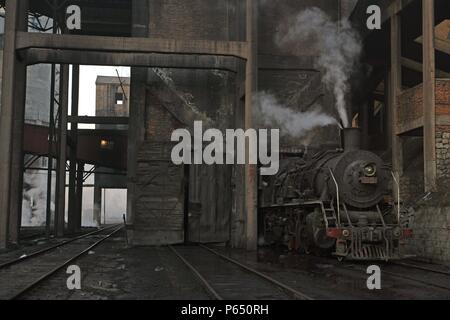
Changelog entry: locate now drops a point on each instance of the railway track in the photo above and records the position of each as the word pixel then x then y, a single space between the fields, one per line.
pixel 423 279
pixel 31 270
pixel 224 278
pixel 423 268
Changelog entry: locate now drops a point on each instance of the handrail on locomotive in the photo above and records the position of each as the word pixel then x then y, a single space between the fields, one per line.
pixel 337 198
pixel 397 182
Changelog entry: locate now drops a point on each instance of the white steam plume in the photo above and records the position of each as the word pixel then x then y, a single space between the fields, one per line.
pixel 339 49
pixel 34 206
pixel 294 124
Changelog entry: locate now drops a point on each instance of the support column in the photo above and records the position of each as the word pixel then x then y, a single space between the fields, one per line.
pixel 79 197
pixel 395 88
pixel 136 131
pixel 251 76
pixel 51 152
pixel 13 90
pixel 73 218
pixel 60 195
pixel 429 96
pixel 17 167
pixel 97 206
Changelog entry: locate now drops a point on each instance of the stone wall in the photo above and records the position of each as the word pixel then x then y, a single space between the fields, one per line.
pixel 431 241
pixel 443 151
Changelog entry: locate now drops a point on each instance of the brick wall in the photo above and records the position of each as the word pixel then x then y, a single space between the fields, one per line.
pixel 443 97
pixel 194 19
pixel 410 105
pixel 159 122
pixel 411 102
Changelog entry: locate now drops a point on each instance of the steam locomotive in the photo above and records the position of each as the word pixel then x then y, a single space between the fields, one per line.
pixel 334 201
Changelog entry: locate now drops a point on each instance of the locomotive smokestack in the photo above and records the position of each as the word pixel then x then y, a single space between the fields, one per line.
pixel 351 139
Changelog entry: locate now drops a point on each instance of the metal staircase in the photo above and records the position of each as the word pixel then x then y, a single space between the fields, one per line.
pixel 329 214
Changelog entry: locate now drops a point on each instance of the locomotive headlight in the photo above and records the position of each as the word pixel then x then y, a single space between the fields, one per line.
pixel 370 170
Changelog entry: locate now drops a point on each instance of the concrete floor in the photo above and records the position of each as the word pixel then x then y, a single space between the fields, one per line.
pixel 116 272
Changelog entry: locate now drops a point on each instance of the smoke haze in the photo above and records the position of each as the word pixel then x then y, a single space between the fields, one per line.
pixel 294 124
pixel 338 48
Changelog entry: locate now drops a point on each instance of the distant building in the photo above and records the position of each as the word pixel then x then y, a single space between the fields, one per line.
pixel 112 100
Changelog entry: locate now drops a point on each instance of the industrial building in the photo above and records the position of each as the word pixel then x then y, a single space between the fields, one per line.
pixel 216 62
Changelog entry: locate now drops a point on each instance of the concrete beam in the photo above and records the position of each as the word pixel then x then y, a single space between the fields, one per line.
pixel 28 40
pixel 429 95
pixel 13 85
pixel 98 120
pixel 417 66
pixel 152 60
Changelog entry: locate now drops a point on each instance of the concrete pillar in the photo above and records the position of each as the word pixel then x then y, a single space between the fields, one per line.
pixel 17 168
pixel 13 90
pixel 79 197
pixel 97 206
pixel 429 96
pixel 51 148
pixel 60 196
pixel 73 219
pixel 136 129
pixel 238 230
pixel 251 76
pixel 395 88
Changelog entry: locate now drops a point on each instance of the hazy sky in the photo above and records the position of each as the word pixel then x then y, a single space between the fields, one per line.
pixel 88 76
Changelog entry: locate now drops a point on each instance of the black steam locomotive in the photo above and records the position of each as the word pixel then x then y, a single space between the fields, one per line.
pixel 336 201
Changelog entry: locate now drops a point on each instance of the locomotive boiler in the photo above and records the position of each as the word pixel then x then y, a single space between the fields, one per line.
pixel 334 201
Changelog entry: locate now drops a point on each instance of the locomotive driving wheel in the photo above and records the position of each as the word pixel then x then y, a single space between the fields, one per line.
pixel 317 238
